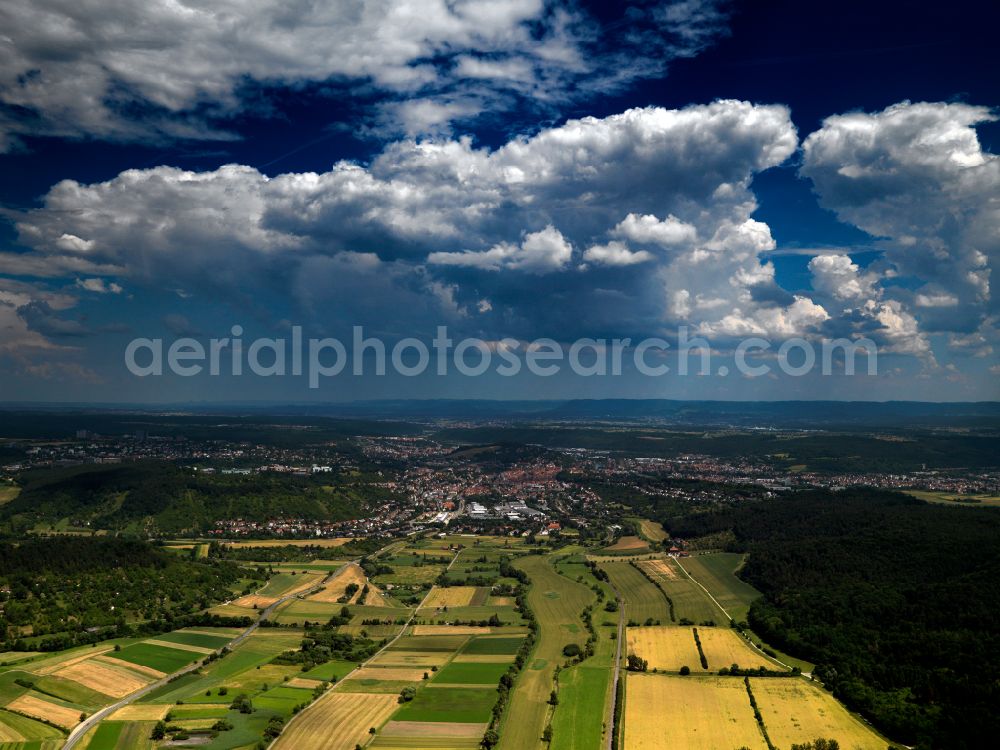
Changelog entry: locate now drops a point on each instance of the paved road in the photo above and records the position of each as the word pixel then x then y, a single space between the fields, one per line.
pixel 610 723
pixel 278 744
pixel 84 726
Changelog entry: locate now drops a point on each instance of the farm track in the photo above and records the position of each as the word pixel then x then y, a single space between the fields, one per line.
pixel 374 656
pixel 723 610
pixel 616 674
pixel 86 725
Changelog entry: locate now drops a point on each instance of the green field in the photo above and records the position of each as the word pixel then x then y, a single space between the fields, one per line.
pixel 167 660
pixel 690 601
pixel 579 718
pixel 643 599
pixel 717 573
pixel 70 691
pixel 282 699
pixel 194 698
pixel 29 728
pixel 429 643
pixel 107 735
pixel 557 602
pixel 494 646
pixel 198 639
pixel 471 673
pixel 471 705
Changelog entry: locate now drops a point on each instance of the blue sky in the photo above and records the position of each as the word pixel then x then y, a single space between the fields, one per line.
pixel 512 170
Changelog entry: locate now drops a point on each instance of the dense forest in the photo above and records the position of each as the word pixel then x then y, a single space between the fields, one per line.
pixel 72 584
pixel 159 498
pixel 895 600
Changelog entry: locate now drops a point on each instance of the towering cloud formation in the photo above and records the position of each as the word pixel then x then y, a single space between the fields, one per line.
pixel 916 175
pixel 658 197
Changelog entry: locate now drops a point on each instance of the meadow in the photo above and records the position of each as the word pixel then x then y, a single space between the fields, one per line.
pixel 690 602
pixel 557 602
pixel 644 601
pixel 717 573
pixel 627 545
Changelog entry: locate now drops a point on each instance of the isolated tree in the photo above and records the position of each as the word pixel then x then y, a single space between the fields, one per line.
pixel 159 731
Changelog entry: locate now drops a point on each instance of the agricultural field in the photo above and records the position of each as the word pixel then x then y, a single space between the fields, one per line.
pixel 667 712
pixel 337 721
pixel 46 696
pixel 717 573
pixel 17 729
pixel 644 601
pixel 724 647
pixel 652 530
pixel 196 701
pixel 279 585
pixel 665 647
pixel 453 676
pixel 8 493
pixel 456 596
pixel 334 590
pixel 797 711
pixel 557 602
pixel 157 659
pixel 690 601
pixel 579 720
pixel 948 498
pixel 627 545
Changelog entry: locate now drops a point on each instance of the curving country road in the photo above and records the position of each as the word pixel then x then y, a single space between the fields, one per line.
pixel 84 726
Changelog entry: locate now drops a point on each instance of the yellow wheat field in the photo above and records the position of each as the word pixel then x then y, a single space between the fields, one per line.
pixel 450 596
pixel 119 664
pixel 303 682
pixel 403 674
pixel 664 647
pixel 141 712
pixel 433 729
pixel 724 647
pixel 55 664
pixel 53 713
pixel 796 711
pixel 103 678
pixel 451 630
pixel 667 712
pixel 254 601
pixel 337 721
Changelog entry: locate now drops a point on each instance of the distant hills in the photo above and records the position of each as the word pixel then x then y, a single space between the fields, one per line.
pixel 764 414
